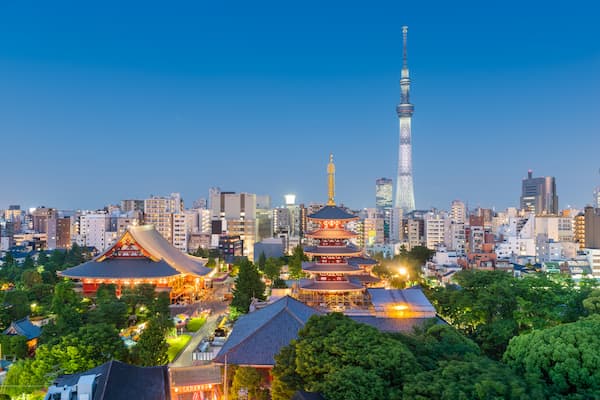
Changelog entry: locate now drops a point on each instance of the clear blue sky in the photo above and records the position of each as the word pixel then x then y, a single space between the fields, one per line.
pixel 109 101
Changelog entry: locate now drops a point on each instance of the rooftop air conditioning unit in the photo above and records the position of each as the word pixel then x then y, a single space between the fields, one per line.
pixel 85 387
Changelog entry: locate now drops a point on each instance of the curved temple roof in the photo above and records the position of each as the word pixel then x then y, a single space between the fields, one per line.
pixel 331 234
pixel 332 213
pixel 161 260
pixel 328 286
pixel 332 250
pixel 115 268
pixel 329 268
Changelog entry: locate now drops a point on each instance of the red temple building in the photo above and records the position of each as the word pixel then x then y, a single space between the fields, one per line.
pixel 339 271
pixel 142 255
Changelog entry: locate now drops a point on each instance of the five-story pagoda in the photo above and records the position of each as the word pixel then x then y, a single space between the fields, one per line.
pixel 338 269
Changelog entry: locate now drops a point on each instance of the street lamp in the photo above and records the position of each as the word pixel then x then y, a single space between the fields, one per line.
pixel 404 272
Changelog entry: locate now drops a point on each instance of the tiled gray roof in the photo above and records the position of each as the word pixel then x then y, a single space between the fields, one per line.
pixel 363 278
pixel 332 285
pixel 24 327
pixel 155 243
pixel 121 268
pixel 361 261
pixel 119 381
pixel 412 296
pixel 314 267
pixel 332 212
pixel 257 337
pixel 324 250
pixel 196 375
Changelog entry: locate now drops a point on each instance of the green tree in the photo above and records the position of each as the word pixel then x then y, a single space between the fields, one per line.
pixel 14 346
pixel 74 256
pixel 89 347
pixel 262 262
pixel 286 380
pixel 15 305
pixel 152 348
pixel 249 381
pixel 28 263
pixel 248 284
pixel 332 348
pixel 159 310
pixel 434 342
pixel 491 307
pixel 109 309
pixel 24 378
pixel 279 284
pixel 592 303
pixel 272 268
pixel 200 252
pixel 563 358
pixel 472 378
pixel 355 383
pixel 66 305
pixel 30 278
pixel 141 295
pixel 295 263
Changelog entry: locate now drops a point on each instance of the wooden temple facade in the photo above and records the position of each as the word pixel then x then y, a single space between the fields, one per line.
pixel 142 255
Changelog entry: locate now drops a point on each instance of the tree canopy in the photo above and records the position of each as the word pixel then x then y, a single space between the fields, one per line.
pixel 564 358
pixel 248 284
pixel 333 348
pixel 491 307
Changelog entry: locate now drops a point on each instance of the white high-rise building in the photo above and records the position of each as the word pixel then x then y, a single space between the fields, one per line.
pixel 458 212
pixel 180 230
pixel 94 230
pixel 159 212
pixel 456 238
pixel 396 230
pixel 435 229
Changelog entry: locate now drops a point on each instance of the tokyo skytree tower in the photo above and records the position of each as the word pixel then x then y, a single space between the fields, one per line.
pixel 405 195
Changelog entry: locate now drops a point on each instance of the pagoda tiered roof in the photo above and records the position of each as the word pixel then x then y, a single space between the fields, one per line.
pixel 332 250
pixel 321 268
pixel 332 286
pixel 359 261
pixel 331 234
pixel 332 213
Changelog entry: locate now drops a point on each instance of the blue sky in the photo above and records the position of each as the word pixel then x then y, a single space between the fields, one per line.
pixel 106 101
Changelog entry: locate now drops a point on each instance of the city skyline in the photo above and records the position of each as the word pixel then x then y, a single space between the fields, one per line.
pixel 84 115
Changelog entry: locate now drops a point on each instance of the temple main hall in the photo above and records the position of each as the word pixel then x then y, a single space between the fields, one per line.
pixel 142 255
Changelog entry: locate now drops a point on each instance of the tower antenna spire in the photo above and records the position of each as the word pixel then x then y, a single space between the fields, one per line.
pixel 331 181
pixel 405 196
pixel 404 53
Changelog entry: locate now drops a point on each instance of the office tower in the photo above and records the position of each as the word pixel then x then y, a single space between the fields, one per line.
pixel 405 196
pixel 458 212
pixel 538 195
pixel 132 205
pixel 159 212
pixel 235 214
pixel 383 193
pixel 592 227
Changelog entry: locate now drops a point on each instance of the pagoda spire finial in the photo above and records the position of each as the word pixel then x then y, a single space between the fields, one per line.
pixel 331 181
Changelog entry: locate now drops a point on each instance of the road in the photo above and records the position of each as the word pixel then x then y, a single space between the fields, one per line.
pixel 218 307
